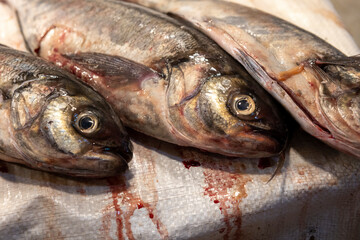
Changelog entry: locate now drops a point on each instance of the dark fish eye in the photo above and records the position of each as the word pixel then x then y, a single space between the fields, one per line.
pixel 87 122
pixel 241 105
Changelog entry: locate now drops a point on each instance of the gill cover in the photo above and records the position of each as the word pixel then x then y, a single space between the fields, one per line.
pixel 28 103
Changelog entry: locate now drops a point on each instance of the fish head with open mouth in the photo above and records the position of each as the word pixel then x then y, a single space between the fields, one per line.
pixel 61 125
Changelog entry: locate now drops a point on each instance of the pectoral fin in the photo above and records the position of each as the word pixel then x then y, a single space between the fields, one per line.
pixel 98 68
pixel 353 61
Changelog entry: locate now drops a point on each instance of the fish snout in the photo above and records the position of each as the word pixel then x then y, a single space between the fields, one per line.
pixel 276 138
pixel 125 151
pixel 112 160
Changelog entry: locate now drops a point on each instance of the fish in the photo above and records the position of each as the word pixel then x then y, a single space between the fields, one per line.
pixel 52 122
pixel 163 78
pixel 318 84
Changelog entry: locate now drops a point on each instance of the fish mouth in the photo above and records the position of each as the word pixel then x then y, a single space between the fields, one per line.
pixel 253 143
pixel 125 151
pixel 275 140
pixel 110 160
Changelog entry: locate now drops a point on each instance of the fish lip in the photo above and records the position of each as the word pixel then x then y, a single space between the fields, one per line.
pixel 279 138
pixel 123 151
pixel 104 164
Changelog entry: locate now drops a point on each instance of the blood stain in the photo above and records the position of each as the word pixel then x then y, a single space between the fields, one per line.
pixel 191 163
pixel 117 186
pixel 125 202
pixel 81 190
pixel 225 185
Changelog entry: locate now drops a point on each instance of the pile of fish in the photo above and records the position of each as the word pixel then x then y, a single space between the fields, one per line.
pixel 166 79
pixel 199 83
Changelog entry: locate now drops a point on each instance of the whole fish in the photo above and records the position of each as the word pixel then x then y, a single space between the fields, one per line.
pixel 315 82
pixel 175 83
pixel 52 122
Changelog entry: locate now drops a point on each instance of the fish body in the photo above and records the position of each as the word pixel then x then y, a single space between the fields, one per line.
pixel 163 78
pixel 321 87
pixel 52 122
pixel 10 32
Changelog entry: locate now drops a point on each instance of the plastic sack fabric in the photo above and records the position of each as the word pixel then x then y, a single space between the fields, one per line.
pixel 172 192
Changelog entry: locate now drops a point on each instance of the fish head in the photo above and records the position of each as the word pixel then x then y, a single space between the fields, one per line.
pixel 64 126
pixel 339 97
pixel 238 116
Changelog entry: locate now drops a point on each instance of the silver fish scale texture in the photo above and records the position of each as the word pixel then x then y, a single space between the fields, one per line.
pixel 179 193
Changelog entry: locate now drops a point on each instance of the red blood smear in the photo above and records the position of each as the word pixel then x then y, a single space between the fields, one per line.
pixel 191 163
pixel 81 190
pixel 116 188
pixel 123 195
pixel 221 177
pixel 3 168
pixel 264 163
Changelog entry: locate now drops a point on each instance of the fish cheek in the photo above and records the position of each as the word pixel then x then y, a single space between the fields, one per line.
pixel 212 113
pixel 212 107
pixel 35 148
pixel 26 106
pixel 56 125
pixel 340 110
pixel 348 106
pixel 47 138
pixel 28 102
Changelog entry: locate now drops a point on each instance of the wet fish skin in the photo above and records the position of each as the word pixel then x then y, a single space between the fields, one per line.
pixel 322 96
pixel 52 122
pixel 170 67
pixel 10 31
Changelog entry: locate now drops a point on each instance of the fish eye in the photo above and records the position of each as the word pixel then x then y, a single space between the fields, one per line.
pixel 87 122
pixel 241 105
